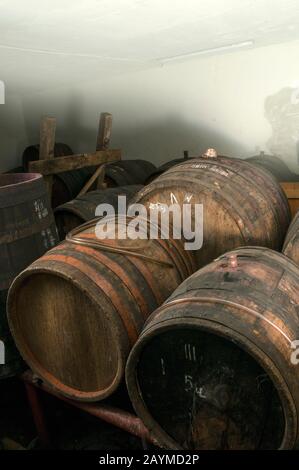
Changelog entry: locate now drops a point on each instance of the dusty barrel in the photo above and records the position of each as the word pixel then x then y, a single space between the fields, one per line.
pixel 166 166
pixel 74 213
pixel 27 231
pixel 76 312
pixel 242 204
pixel 127 172
pixel 215 366
pixel 274 165
pixel 68 184
pixel 291 243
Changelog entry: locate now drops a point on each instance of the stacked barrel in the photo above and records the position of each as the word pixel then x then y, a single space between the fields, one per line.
pixel 210 368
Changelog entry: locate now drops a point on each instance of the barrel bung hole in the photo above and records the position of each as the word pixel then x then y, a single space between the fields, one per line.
pixel 207 393
pixel 65 334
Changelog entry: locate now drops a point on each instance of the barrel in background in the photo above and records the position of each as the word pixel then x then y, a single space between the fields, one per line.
pixel 291 243
pixel 242 204
pixel 27 231
pixel 274 165
pixel 76 312
pixel 128 172
pixel 74 213
pixel 213 366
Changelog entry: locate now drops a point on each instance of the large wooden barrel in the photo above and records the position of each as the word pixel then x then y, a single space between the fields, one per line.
pixel 242 204
pixel 74 213
pixel 274 165
pixel 291 243
pixel 127 172
pixel 213 367
pixel 76 312
pixel 27 231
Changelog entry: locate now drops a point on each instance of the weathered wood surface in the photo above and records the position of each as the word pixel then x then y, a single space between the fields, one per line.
pixel 291 191
pixel 76 312
pixel 127 172
pixel 242 204
pixel 46 145
pixel 73 162
pixel 206 370
pixel 27 231
pixel 291 243
pixel 74 213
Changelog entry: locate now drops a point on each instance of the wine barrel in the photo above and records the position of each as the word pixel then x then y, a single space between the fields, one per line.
pixel 213 367
pixel 242 204
pixel 68 184
pixel 274 165
pixel 128 172
pixel 27 231
pixel 291 243
pixel 76 312
pixel 74 213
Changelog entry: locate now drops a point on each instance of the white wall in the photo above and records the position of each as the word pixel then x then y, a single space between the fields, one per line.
pixel 158 112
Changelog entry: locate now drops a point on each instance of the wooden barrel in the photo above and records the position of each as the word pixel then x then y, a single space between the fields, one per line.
pixel 242 204
pixel 27 231
pixel 166 166
pixel 76 312
pixel 213 367
pixel 68 184
pixel 127 172
pixel 274 165
pixel 74 213
pixel 291 243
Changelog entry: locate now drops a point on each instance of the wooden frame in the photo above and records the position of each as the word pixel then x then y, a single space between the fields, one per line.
pixel 48 166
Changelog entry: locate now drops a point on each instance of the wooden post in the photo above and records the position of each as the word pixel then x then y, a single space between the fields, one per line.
pixel 103 141
pixel 47 144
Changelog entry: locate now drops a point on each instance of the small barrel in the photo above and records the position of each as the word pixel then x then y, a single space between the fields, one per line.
pixel 216 367
pixel 74 213
pixel 274 165
pixel 128 172
pixel 76 312
pixel 242 204
pixel 28 231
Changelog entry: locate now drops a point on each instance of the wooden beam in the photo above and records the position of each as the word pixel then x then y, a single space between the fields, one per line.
pixel 104 131
pixel 98 174
pixel 74 162
pixel 47 144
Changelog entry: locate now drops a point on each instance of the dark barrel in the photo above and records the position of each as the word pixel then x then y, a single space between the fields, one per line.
pixel 31 153
pixel 215 366
pixel 275 165
pixel 27 230
pixel 242 204
pixel 74 213
pixel 66 185
pixel 291 243
pixel 126 172
pixel 76 312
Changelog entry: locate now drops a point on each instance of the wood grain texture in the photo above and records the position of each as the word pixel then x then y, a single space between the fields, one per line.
pixel 73 162
pixel 76 312
pixel 46 145
pixel 212 367
pixel 242 204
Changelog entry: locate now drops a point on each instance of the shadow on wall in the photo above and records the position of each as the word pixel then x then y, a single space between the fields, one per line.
pixel 157 141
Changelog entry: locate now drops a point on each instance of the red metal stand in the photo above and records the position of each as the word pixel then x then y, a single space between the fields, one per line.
pixel 115 416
